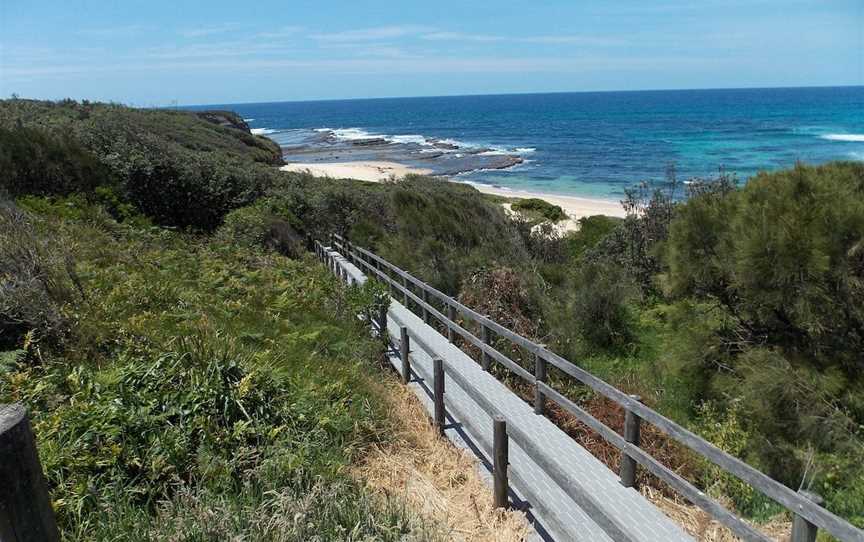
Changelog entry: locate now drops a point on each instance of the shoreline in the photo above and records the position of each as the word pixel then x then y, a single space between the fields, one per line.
pixel 576 207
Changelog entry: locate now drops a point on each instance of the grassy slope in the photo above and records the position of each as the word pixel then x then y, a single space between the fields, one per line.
pixel 107 125
pixel 204 392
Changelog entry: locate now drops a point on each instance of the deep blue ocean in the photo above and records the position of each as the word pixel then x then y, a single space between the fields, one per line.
pixel 594 143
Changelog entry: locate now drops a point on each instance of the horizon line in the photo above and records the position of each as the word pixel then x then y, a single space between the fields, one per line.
pixel 532 93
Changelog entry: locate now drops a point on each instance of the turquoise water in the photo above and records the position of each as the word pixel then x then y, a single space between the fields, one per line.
pixel 588 144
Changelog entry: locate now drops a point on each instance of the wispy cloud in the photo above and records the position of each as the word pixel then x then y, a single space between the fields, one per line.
pixel 280 33
pixel 205 31
pixel 549 39
pixel 372 34
pixel 364 66
pixel 111 32
pixel 249 49
pixel 460 36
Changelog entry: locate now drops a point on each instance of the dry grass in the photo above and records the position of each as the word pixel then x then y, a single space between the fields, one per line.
pixel 702 527
pixel 438 480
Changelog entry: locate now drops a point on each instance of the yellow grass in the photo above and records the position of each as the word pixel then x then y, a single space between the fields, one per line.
pixel 442 483
pixel 438 480
pixel 702 527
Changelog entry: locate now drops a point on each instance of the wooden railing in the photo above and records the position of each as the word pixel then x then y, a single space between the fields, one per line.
pixel 808 515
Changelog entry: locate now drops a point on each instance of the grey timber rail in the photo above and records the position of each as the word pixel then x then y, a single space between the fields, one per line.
pixel 421 304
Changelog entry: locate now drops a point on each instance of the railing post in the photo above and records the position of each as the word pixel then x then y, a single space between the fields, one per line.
pixel 405 292
pixel 803 530
pixel 627 468
pixel 382 323
pixel 25 507
pixel 404 350
pixel 500 461
pixel 451 315
pixel 438 384
pixel 424 294
pixel 484 357
pixel 539 376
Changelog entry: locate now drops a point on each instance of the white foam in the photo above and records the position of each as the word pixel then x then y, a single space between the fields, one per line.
pixel 263 131
pixel 448 141
pixel 351 134
pixel 249 120
pixel 419 139
pixel 844 137
pixel 430 145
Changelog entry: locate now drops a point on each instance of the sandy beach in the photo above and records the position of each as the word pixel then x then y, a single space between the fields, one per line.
pixel 377 171
pixel 363 171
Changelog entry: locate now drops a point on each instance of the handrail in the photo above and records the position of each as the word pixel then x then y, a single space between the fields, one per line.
pixel 470 337
pixel 785 496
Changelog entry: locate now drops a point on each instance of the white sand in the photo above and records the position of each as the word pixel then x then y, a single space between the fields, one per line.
pixel 575 207
pixel 363 171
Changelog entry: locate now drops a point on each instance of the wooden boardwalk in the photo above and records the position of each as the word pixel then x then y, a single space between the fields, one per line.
pixel 568 467
pixel 596 507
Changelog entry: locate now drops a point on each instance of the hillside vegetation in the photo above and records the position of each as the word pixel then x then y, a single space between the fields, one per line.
pixel 736 310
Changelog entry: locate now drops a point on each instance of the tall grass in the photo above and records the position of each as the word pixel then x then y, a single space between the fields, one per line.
pixel 203 392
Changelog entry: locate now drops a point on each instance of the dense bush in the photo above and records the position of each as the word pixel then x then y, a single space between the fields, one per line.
pixel 534 207
pixel 196 191
pixel 781 261
pixel 174 167
pixel 198 378
pixel 36 279
pixel 785 257
pixel 600 305
pixel 267 223
pixel 34 161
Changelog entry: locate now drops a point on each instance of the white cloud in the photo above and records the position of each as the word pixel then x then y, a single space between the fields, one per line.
pixel 490 38
pixel 280 33
pixel 204 31
pixel 372 34
pixel 217 49
pixel 460 36
pixel 364 66
pixel 114 31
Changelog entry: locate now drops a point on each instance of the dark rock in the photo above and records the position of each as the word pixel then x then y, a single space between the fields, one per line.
pixel 438 144
pixel 369 142
pixel 282 238
pixel 228 119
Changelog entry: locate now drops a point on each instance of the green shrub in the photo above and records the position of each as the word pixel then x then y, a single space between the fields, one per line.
pixel 193 190
pixel 201 378
pixel 592 230
pixel 172 166
pixel 785 256
pixel 36 279
pixel 268 223
pixel 599 307
pixel 782 261
pixel 36 161
pixel 535 207
pixel 725 430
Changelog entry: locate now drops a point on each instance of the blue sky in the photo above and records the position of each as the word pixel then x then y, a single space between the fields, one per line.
pixel 159 52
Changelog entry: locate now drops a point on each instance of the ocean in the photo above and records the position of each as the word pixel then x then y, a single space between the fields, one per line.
pixel 592 144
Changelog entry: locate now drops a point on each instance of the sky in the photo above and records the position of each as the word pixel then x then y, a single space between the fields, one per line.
pixel 161 52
